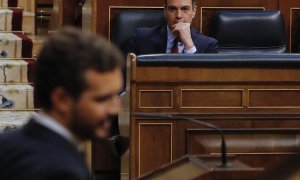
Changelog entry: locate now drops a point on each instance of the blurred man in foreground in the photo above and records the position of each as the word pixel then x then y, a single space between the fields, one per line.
pixel 78 78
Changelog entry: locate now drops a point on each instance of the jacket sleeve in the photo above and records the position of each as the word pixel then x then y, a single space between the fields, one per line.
pixel 64 176
pixel 212 47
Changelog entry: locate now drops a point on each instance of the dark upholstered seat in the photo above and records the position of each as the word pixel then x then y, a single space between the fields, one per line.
pixel 125 23
pixel 249 31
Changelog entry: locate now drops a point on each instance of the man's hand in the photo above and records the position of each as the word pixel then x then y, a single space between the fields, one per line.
pixel 183 31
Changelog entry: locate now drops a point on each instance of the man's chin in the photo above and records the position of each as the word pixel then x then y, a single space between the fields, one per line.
pixel 85 134
pixel 102 134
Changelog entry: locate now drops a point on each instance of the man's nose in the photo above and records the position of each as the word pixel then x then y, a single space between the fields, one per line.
pixel 114 107
pixel 178 14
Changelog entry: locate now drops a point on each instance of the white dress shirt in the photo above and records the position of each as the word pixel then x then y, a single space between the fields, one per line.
pixel 181 50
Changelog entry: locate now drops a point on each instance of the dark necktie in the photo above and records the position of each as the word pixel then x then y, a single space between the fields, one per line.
pixel 174 49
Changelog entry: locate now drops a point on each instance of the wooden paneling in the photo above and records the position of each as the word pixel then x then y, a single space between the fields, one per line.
pixel 246 135
pixel 150 98
pixel 244 99
pixel 289 8
pixel 28 5
pixel 217 74
pixel 72 11
pixel 56 21
pixel 217 89
pixel 268 4
pixel 211 98
pixel 162 73
pixel 155 99
pixel 157 139
pixel 294 29
pixel 103 158
pixel 28 24
pixel 280 98
pixel 216 78
pixel 65 13
pixel 218 98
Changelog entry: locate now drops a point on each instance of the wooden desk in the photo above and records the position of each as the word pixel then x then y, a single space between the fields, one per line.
pixel 204 168
pixel 256 99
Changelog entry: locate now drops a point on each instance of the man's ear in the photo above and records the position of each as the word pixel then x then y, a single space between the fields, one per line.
pixel 61 100
pixel 194 10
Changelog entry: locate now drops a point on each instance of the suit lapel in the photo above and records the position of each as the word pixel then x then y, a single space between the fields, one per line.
pixel 161 45
pixel 194 35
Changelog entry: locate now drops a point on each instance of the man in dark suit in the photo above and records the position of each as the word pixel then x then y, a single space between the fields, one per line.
pixel 78 78
pixel 176 37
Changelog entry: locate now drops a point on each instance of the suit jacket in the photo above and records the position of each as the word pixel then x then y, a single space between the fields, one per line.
pixel 154 41
pixel 37 153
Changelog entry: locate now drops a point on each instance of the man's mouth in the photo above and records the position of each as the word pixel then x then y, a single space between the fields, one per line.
pixel 178 21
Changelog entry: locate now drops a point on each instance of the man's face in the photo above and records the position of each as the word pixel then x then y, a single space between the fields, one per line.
pixel 179 11
pixel 99 101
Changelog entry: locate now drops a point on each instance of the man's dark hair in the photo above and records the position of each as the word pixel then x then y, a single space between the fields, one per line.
pixel 64 59
pixel 193 2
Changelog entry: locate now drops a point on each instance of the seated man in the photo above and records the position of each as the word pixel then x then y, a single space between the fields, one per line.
pixel 176 37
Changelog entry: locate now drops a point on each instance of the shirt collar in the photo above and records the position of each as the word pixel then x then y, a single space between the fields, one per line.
pixel 171 36
pixel 51 124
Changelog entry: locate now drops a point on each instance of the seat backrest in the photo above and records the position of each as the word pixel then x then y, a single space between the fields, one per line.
pixel 249 31
pixel 125 23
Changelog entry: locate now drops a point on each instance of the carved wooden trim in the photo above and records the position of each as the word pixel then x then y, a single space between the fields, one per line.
pixel 139 141
pixel 291 26
pixel 152 107
pixel 206 107
pixel 267 107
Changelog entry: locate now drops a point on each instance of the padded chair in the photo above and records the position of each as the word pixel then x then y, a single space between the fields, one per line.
pixel 125 23
pixel 249 32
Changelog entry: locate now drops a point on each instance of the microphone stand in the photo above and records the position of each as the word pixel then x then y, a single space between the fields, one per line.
pixel 224 163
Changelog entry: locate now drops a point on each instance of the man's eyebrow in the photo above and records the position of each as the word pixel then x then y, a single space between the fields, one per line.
pixel 171 6
pixel 103 97
pixel 108 96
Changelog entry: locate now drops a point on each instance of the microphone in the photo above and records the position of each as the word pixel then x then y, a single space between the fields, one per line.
pixel 224 163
